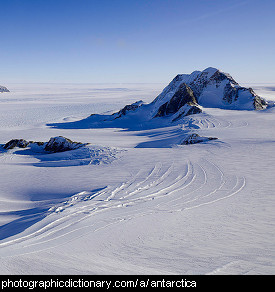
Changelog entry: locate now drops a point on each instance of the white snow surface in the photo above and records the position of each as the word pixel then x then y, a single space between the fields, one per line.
pixel 134 202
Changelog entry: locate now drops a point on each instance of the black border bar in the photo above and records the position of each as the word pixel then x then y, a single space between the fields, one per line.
pixel 115 282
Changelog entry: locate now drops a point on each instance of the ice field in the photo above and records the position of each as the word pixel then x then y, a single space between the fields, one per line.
pixel 134 201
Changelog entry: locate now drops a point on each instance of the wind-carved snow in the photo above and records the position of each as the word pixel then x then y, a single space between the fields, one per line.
pixel 162 189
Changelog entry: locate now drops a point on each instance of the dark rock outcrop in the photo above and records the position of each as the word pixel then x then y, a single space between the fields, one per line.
pixel 3 89
pixel 21 143
pixel 195 138
pixel 55 144
pixel 128 108
pixel 61 144
pixel 184 95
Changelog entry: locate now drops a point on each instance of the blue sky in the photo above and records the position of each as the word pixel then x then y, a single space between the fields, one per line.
pixel 135 40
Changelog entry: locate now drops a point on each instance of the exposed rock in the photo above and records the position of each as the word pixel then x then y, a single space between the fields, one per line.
pixel 55 144
pixel 3 89
pixel 260 103
pixel 128 108
pixel 195 138
pixel 184 95
pixel 61 144
pixel 21 143
pixel 37 143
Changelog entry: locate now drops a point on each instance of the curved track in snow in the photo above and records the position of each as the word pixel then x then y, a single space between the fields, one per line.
pixel 206 121
pixel 162 188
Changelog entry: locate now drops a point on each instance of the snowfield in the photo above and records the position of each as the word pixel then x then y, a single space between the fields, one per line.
pixel 134 201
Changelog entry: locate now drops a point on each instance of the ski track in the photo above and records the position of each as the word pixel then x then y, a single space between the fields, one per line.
pixel 166 188
pixel 208 122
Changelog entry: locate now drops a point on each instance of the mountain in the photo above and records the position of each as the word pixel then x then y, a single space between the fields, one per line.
pixel 3 89
pixel 214 88
pixel 185 95
pixel 181 103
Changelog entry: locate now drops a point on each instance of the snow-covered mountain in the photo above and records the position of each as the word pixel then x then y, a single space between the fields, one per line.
pixel 3 89
pixel 185 95
pixel 216 89
pixel 180 103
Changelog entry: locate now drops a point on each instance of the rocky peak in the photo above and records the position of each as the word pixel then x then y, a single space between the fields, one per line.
pixel 21 143
pixel 182 96
pixel 61 144
pixel 219 76
pixel 214 88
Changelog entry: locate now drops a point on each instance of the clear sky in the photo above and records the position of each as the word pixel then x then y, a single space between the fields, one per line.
pixel 135 40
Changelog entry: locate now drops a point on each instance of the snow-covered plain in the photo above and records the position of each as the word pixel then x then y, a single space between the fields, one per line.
pixel 134 202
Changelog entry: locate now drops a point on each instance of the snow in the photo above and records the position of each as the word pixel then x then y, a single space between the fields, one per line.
pixel 134 201
pixel 266 90
pixel 210 71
